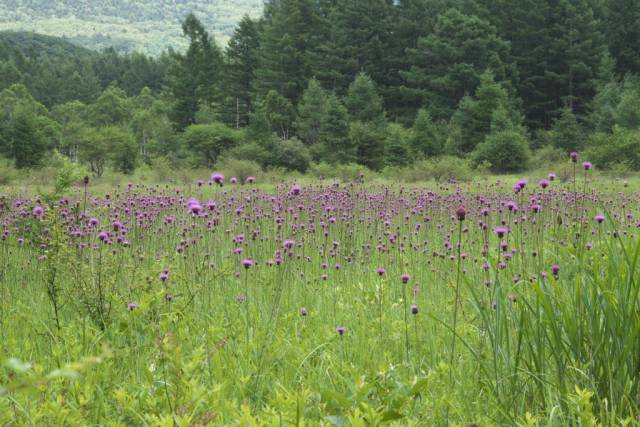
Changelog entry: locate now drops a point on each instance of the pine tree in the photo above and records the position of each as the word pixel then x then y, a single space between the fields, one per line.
pixel 424 140
pixel 447 64
pixel 334 134
pixel 311 113
pixel 194 77
pixel 475 115
pixel 363 101
pixel 278 113
pixel 355 44
pixel 26 141
pixel 566 133
pixel 397 151
pixel 622 29
pixel 288 32
pixel 241 61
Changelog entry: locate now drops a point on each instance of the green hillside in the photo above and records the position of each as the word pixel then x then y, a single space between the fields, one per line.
pixel 31 45
pixel 148 26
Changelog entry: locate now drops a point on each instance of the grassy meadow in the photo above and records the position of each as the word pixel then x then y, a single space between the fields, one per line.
pixel 299 301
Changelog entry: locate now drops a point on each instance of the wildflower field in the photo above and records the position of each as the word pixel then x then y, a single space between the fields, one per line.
pixel 221 303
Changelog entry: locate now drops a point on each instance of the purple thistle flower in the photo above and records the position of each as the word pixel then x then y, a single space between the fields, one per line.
pixel 218 178
pixel 405 278
pixel 247 263
pixel 599 218
pixel 132 306
pixel 587 165
pixel 501 231
pixel 341 330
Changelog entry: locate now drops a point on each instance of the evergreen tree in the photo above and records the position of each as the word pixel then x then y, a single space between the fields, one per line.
pixel 475 115
pixel 447 64
pixel 25 141
pixel 338 147
pixel 241 61
pixel 311 113
pixel 397 151
pixel 506 148
pixel 278 113
pixel 424 140
pixel 368 140
pixel 567 133
pixel 288 32
pixel 622 29
pixel 363 101
pixel 359 32
pixel 194 77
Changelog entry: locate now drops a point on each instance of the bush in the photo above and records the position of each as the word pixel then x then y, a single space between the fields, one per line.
pixel 207 142
pixel 368 140
pixel 241 169
pixel 291 154
pixel 251 151
pixel 622 146
pixel 506 151
pixel 8 172
pixel 441 169
pixel 347 172
pixel 397 151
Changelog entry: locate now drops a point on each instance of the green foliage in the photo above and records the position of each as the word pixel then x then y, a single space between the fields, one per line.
pixel 207 142
pixel 337 146
pixel 476 116
pixel 425 139
pixel 24 139
pixel 239 168
pixel 397 149
pixel 567 134
pixel 620 147
pixel 241 61
pixel 279 114
pixel 363 101
pixel 251 151
pixel 440 169
pixel 346 172
pixel 127 25
pixel 368 141
pixel 312 112
pixel 290 154
pixel 447 64
pixel 505 150
pixel 194 76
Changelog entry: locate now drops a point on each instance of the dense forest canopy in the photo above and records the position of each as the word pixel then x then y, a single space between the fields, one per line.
pixel 500 84
pixel 148 26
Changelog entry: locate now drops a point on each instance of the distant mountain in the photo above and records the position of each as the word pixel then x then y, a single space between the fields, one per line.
pixel 148 26
pixel 35 45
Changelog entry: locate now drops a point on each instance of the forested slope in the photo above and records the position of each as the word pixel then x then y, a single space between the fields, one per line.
pixel 148 26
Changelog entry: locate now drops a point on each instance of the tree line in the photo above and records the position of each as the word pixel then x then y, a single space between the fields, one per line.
pixel 376 82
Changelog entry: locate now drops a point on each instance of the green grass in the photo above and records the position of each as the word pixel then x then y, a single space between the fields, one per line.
pixel 223 345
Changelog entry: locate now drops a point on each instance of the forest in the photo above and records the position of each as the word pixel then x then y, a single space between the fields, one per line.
pixel 147 26
pixel 393 86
